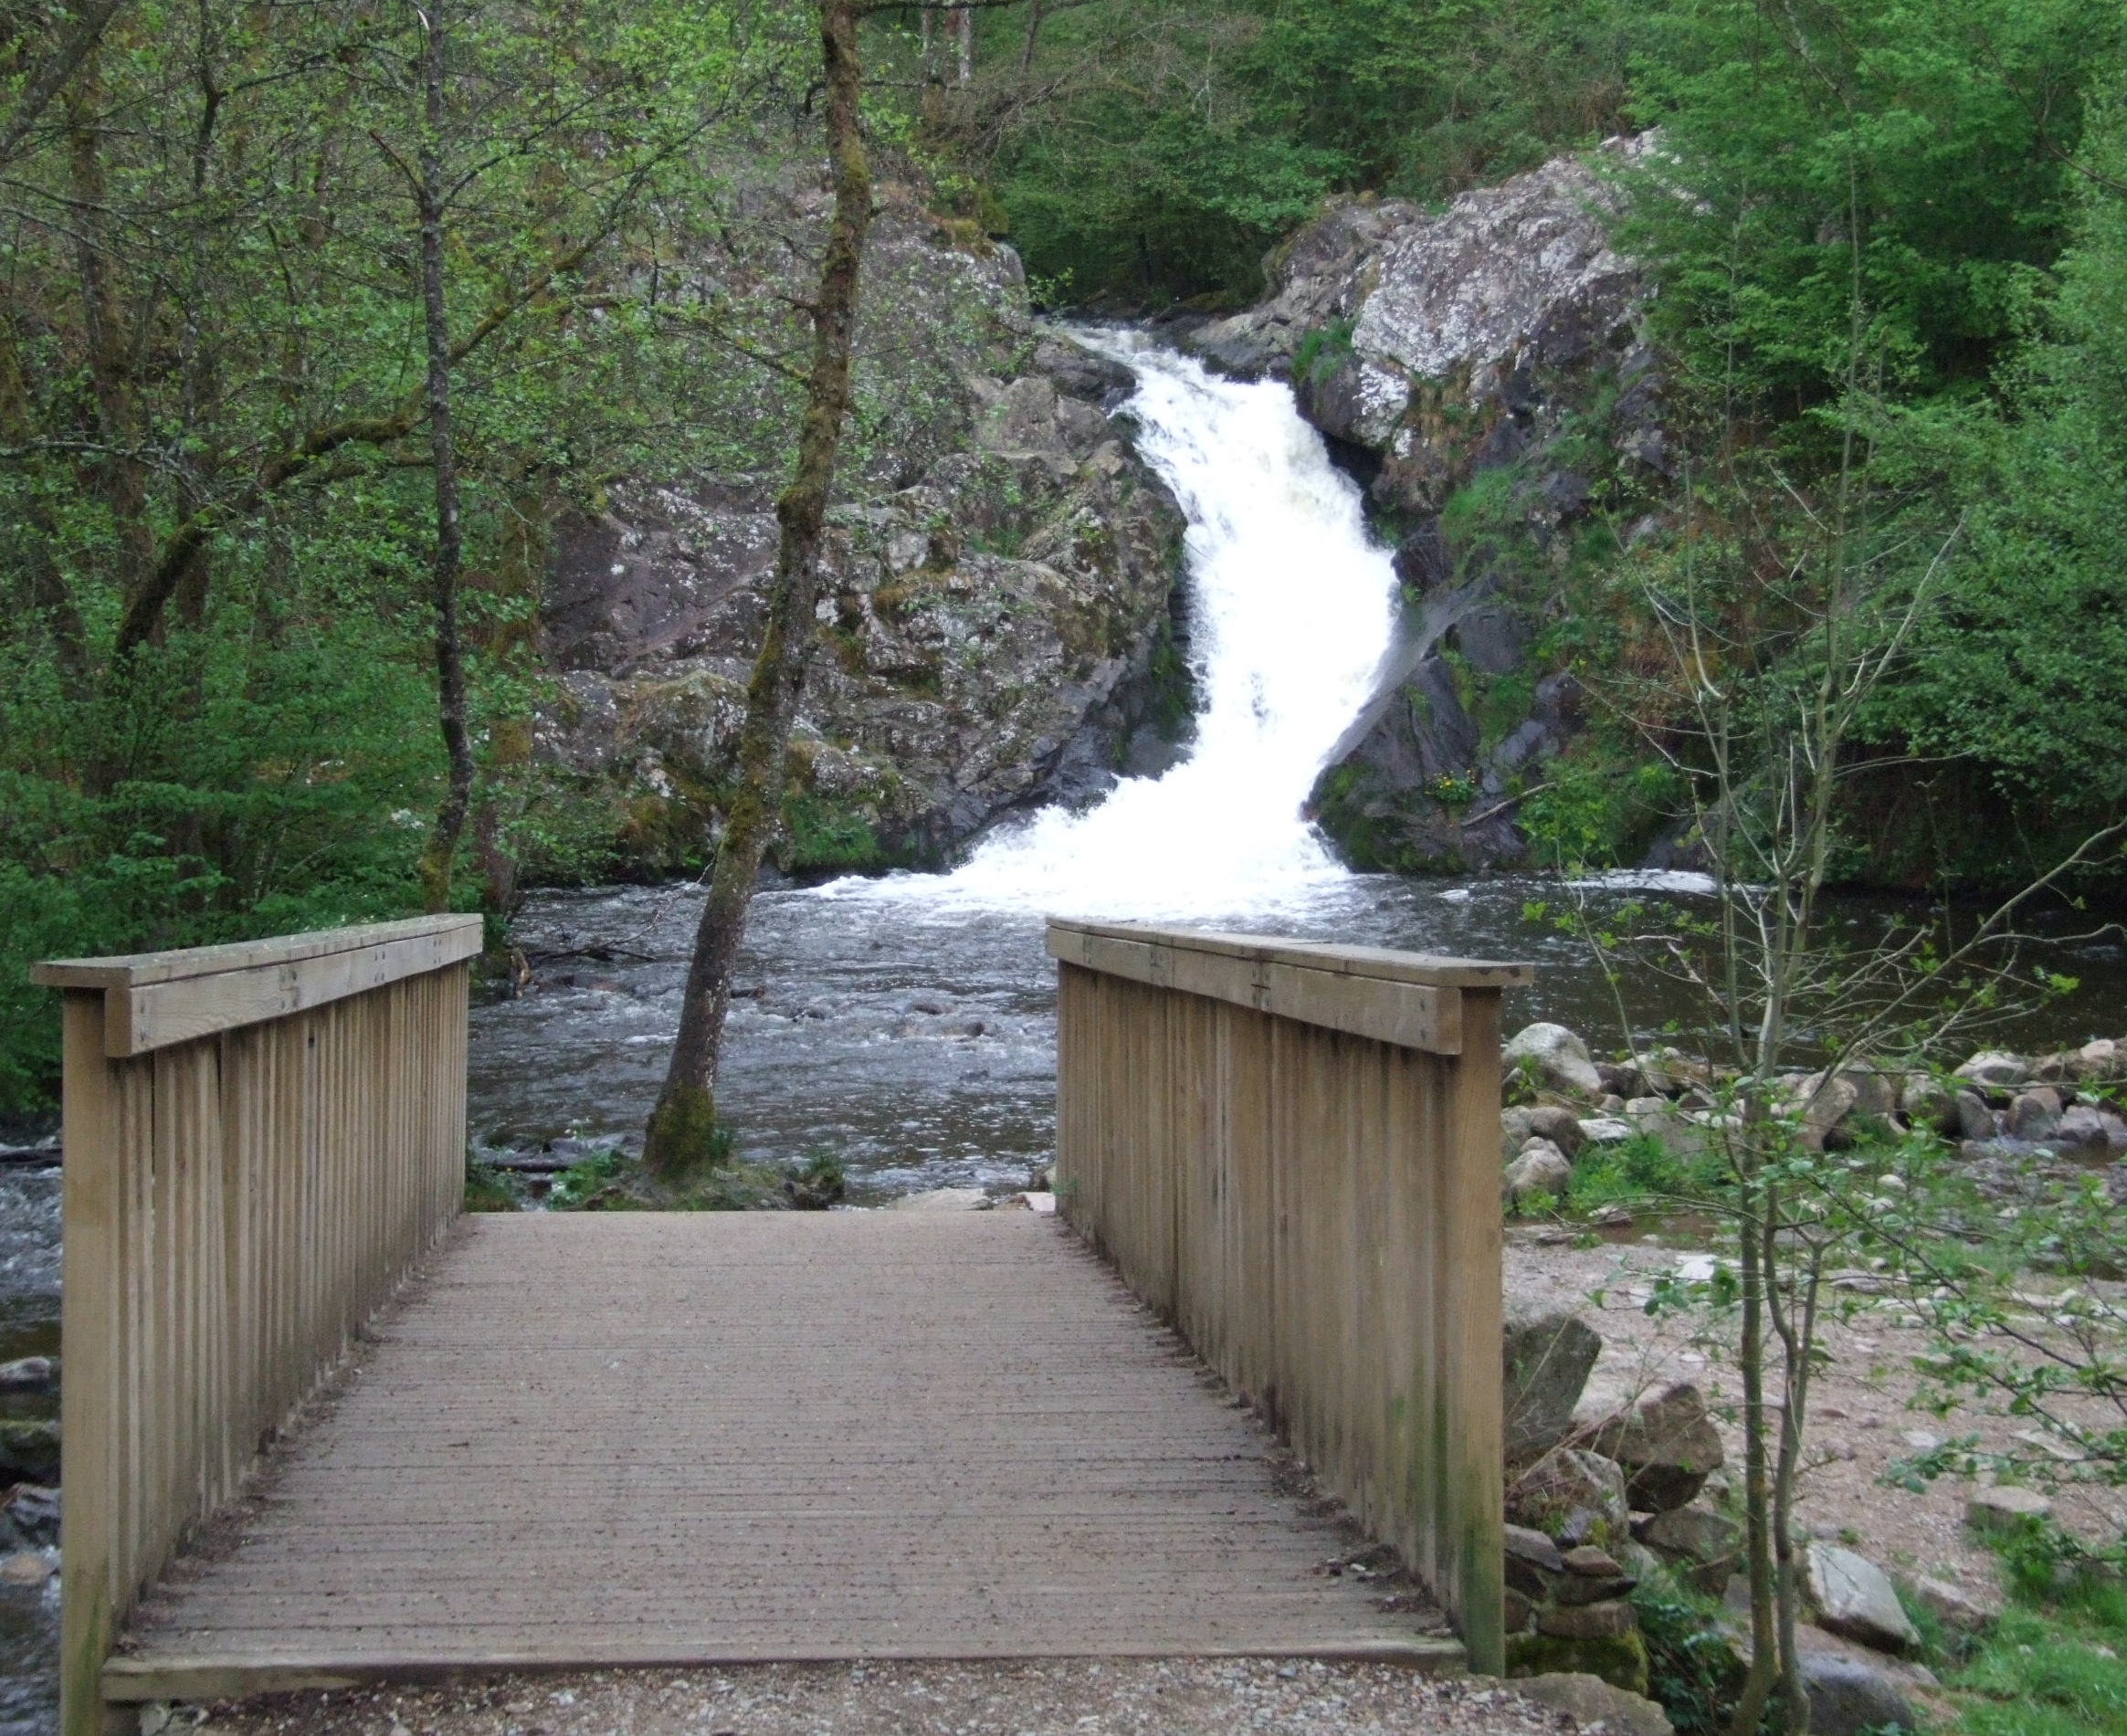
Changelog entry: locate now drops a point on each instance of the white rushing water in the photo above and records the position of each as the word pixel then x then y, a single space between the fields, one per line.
pixel 1292 612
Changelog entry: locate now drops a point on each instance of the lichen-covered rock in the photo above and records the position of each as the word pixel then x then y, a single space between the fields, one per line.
pixel 1546 1354
pixel 1571 1496
pixel 997 618
pixel 1498 339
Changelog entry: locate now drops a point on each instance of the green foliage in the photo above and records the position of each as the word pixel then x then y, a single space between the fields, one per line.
pixel 1182 140
pixel 821 836
pixel 2022 662
pixel 1693 1669
pixel 489 1190
pixel 1907 150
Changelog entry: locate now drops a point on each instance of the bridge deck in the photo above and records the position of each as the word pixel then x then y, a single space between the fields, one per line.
pixel 635 1439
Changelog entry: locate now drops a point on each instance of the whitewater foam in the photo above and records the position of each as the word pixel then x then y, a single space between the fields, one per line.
pixel 1292 611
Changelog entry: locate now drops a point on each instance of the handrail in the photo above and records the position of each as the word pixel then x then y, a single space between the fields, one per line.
pixel 261 1141
pixel 1291 1151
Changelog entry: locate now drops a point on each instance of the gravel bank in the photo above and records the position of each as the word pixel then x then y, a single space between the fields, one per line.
pixel 1078 1696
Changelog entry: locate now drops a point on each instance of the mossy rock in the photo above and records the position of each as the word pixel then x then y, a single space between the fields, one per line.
pixel 29 1450
pixel 1620 1660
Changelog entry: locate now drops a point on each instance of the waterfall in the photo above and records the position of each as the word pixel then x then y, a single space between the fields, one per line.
pixel 1293 609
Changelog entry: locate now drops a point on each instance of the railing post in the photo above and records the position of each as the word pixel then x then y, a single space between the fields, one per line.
pixel 90 1323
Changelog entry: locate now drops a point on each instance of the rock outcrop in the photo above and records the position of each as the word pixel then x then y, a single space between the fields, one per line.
pixel 998 621
pixel 1483 372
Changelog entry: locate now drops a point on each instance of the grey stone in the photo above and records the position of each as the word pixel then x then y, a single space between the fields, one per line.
pixel 2101 1060
pixel 32 1512
pixel 1560 1126
pixel 1546 1353
pixel 1855 1597
pixel 2081 1128
pixel 1533 1547
pixel 2034 1114
pixel 1667 1072
pixel 1585 1621
pixel 1539 1176
pixel 1590 1701
pixel 1974 1120
pixel 1954 1607
pixel 1575 1496
pixel 1514 1130
pixel 1927 1102
pixel 1847 1697
pixel 1556 1056
pixel 29 1375
pixel 1605 1130
pixel 1595 1564
pixel 1666 1444
pixel 2006 1508
pixel 1997 1069
pixel 1690 1533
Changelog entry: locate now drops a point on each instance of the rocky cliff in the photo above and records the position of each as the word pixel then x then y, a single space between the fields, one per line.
pixel 997 627
pixel 1483 373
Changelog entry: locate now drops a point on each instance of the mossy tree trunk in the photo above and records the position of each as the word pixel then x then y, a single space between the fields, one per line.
pixel 678 1138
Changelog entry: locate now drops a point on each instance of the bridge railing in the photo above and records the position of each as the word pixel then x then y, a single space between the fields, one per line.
pixel 261 1140
pixel 1292 1151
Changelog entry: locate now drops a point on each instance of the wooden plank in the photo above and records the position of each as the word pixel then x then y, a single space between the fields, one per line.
pixel 1389 1010
pixel 154 1015
pixel 1381 963
pixel 136 969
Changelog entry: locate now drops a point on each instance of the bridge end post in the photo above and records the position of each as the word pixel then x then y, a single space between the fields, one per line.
pixel 1473 1570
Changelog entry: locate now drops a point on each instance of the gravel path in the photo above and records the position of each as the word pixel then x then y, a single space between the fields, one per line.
pixel 1057 1698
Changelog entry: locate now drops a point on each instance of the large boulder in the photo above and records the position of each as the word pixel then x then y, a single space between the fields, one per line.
pixel 1995 1070
pixel 1555 1056
pixel 1666 1444
pixel 1546 1353
pixel 1847 1697
pixel 1591 1702
pixel 1855 1597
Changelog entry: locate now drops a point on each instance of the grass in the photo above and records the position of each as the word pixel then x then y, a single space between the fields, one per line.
pixel 2056 1662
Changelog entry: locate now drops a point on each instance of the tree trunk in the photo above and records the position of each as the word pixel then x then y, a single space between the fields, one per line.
pixel 1751 1363
pixel 964 22
pixel 436 860
pixel 680 1136
pixel 1033 36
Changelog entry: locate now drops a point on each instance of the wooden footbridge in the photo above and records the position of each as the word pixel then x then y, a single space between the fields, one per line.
pixel 320 1428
